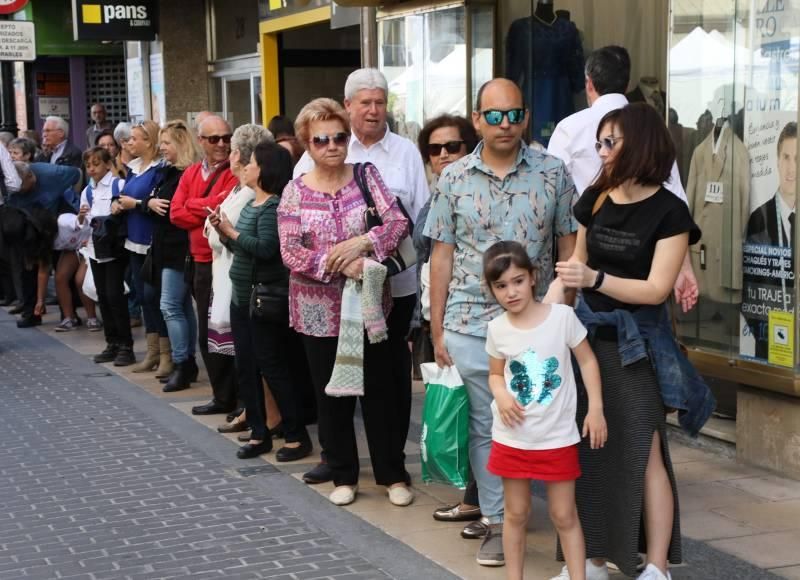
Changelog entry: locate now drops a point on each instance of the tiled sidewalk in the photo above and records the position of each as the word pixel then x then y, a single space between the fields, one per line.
pixel 727 509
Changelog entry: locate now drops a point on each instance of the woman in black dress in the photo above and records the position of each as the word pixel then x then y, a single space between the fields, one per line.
pixel 632 239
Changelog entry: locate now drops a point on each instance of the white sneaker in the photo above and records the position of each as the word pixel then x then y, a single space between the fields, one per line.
pixel 400 495
pixel 343 495
pixel 593 572
pixel 653 573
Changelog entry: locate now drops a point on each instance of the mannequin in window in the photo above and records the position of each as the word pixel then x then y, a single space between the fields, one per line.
pixel 544 10
pixel 772 224
pixel 544 56
pixel 718 193
pixel 649 91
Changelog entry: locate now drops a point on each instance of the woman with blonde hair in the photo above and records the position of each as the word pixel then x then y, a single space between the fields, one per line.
pixel 324 242
pixel 143 175
pixel 169 249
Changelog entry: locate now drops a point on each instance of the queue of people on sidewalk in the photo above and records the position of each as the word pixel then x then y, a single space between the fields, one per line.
pixel 291 274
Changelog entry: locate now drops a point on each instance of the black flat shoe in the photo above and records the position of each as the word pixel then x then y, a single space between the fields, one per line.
pixel 294 453
pixel 321 473
pixel 211 408
pixel 277 431
pixel 16 309
pixel 108 355
pixel 29 322
pixel 125 357
pixel 250 450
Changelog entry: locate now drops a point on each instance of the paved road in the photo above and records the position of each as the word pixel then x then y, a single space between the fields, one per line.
pixel 100 480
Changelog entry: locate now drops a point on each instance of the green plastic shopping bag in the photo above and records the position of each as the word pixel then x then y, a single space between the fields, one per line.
pixel 445 427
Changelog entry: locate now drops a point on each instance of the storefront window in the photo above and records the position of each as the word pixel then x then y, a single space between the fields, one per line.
pixel 426 57
pixel 236 28
pixel 733 100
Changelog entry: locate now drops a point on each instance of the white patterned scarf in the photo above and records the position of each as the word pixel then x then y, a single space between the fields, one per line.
pixel 362 307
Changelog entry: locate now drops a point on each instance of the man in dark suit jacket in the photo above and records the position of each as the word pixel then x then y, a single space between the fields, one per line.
pixel 57 149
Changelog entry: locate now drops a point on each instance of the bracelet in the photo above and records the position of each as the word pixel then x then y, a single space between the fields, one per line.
pixel 599 280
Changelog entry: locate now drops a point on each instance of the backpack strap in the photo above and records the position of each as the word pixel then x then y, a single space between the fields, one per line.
pixel 90 195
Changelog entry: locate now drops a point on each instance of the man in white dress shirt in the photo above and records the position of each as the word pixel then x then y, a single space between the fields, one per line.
pixel 608 72
pixel 400 164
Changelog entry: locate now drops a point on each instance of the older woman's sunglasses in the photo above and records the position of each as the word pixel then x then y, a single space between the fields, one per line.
pixel 323 140
pixel 494 116
pixel 214 139
pixel 452 147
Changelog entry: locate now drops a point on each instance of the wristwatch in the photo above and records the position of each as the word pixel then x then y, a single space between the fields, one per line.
pixel 599 280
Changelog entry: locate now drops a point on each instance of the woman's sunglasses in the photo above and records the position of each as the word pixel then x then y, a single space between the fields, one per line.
pixel 324 140
pixel 214 139
pixel 452 147
pixel 607 143
pixel 494 117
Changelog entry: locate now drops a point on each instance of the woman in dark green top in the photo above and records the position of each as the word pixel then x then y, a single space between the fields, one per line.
pixel 266 349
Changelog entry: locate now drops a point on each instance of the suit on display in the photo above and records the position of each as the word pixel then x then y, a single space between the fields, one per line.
pixel 718 192
pixel 545 57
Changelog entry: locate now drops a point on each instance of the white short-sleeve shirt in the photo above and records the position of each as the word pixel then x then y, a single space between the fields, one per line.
pixel 538 374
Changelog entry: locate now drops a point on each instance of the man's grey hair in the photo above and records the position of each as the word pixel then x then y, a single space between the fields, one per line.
pixel 245 139
pixel 59 123
pixel 6 137
pixel 122 132
pixel 365 78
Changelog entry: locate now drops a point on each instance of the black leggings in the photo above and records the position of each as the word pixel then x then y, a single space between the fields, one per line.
pixel 109 280
pixel 382 418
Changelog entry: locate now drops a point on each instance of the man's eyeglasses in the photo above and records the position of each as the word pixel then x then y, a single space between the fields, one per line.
pixel 607 143
pixel 494 116
pixel 452 147
pixel 340 138
pixel 214 139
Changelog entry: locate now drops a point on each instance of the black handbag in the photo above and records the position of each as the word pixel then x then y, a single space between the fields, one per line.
pixel 270 303
pixel 147 273
pixel 405 255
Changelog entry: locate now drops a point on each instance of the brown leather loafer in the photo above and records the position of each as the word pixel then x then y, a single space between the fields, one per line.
pixel 235 427
pixel 476 530
pixel 454 513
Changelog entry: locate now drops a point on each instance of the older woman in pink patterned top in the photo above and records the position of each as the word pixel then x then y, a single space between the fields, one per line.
pixel 323 242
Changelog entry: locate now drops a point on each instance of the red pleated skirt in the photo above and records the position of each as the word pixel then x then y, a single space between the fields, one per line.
pixel 544 464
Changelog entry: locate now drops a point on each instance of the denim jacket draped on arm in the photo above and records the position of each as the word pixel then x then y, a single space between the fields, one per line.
pixel 646 334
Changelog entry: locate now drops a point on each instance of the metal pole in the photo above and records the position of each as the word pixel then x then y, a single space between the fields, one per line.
pixel 369 38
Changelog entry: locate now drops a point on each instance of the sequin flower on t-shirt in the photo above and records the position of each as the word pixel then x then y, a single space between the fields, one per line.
pixel 534 380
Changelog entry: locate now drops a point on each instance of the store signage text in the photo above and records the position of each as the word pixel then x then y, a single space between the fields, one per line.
pixel 114 19
pixel 17 40
pixel 767 17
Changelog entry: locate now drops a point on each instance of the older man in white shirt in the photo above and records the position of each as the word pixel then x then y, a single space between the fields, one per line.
pixel 400 164
pixel 608 72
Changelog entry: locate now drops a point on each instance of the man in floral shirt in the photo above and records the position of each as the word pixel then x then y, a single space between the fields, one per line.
pixel 504 190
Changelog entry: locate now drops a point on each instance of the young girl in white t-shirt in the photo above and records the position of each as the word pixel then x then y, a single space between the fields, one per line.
pixel 534 433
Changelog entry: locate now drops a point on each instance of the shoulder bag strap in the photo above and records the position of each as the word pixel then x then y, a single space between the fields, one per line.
pixel 216 176
pixel 598 203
